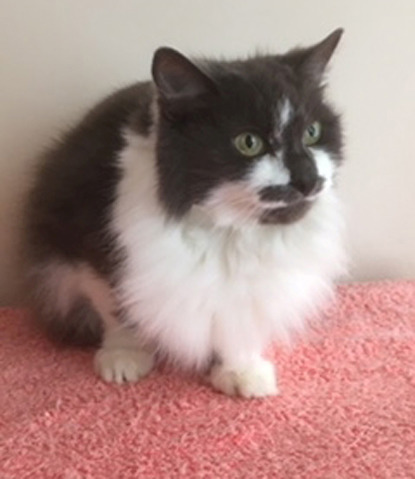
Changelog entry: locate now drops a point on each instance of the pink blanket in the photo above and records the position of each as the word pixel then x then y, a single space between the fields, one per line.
pixel 346 409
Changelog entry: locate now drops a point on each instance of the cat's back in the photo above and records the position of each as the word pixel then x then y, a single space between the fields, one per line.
pixel 74 186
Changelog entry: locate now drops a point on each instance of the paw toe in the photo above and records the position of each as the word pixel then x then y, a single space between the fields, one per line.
pixel 122 365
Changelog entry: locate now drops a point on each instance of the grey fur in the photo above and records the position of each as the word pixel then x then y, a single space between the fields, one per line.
pixel 201 109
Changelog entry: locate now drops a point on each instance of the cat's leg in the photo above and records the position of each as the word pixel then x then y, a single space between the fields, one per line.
pixel 239 368
pixel 121 357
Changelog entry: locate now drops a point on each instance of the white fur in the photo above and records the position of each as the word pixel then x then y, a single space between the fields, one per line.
pixel 195 287
pixel 285 112
pixel 57 284
pixel 214 283
pixel 269 171
pixel 121 357
pixel 233 203
pixel 256 379
pixel 122 364
pixel 60 284
pixel 324 166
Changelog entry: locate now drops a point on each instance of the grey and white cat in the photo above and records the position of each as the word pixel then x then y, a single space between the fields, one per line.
pixel 192 217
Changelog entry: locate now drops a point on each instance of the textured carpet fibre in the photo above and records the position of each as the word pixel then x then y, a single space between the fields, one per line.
pixel 346 409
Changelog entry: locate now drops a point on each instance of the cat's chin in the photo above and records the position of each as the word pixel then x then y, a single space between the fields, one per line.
pixel 287 215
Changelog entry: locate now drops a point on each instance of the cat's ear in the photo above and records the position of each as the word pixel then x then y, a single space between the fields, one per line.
pixel 177 78
pixel 313 61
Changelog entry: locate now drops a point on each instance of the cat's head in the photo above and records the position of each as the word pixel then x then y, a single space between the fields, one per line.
pixel 246 141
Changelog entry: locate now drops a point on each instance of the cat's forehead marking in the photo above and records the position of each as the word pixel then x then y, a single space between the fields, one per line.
pixel 284 113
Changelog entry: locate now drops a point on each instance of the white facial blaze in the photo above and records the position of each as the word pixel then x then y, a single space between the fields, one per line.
pixel 269 171
pixel 285 113
pixel 325 166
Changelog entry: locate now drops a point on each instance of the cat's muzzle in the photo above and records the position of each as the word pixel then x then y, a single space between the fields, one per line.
pixel 288 203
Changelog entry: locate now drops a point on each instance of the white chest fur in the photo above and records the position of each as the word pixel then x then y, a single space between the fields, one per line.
pixel 195 290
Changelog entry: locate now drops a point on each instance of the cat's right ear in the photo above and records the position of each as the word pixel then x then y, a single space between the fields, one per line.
pixel 177 78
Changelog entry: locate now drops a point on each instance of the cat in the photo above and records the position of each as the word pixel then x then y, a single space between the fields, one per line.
pixel 192 217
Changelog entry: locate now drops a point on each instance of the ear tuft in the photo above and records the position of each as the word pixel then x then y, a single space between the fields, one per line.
pixel 318 56
pixel 177 78
pixel 311 62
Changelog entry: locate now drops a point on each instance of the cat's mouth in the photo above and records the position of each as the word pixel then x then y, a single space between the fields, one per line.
pixel 237 203
pixel 286 214
pixel 284 204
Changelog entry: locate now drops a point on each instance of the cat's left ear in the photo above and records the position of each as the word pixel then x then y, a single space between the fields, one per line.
pixel 177 78
pixel 314 60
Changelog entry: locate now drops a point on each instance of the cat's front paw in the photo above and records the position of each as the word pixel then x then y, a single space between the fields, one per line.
pixel 255 380
pixel 122 364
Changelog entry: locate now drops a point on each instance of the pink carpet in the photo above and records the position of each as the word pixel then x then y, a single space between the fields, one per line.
pixel 347 408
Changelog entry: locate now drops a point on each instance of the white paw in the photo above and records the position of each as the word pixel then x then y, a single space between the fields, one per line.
pixel 121 365
pixel 256 380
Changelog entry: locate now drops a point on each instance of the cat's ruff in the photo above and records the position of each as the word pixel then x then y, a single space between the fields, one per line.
pixel 197 288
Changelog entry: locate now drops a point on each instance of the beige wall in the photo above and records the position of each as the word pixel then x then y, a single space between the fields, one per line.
pixel 58 56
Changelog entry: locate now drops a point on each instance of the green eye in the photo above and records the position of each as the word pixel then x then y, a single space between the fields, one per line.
pixel 312 134
pixel 249 144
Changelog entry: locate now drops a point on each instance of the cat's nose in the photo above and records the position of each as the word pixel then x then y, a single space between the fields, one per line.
pixel 291 193
pixel 309 186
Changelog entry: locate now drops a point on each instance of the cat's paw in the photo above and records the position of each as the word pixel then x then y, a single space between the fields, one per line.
pixel 122 365
pixel 256 380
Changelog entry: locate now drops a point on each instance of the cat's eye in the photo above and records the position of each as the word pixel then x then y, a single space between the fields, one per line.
pixel 249 144
pixel 312 134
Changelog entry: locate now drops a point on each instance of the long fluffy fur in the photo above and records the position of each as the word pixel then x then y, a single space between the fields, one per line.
pixel 148 232
pixel 195 288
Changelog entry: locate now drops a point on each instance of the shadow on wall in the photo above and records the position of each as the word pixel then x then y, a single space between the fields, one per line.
pixel 380 269
pixel 16 173
pixel 21 147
